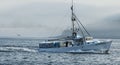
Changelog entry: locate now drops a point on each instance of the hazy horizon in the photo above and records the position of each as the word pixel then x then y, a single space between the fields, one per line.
pixel 45 18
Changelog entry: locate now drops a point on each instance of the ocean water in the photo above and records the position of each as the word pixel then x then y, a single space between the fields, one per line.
pixel 25 52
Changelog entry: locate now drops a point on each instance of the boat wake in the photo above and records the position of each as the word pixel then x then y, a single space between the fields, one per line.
pixel 16 49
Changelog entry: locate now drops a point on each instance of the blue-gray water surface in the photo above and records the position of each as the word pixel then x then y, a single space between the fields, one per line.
pixel 25 52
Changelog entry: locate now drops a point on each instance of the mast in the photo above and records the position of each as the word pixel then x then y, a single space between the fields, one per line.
pixel 73 20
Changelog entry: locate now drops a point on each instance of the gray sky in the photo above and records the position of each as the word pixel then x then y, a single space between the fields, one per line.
pixel 43 18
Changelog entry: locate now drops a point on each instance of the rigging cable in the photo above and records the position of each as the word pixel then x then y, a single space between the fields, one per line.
pixel 82 25
pixel 81 31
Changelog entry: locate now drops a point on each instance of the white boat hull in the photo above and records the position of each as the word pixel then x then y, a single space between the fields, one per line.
pixel 102 47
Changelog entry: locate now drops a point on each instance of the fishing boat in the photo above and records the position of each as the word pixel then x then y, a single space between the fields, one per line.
pixel 76 43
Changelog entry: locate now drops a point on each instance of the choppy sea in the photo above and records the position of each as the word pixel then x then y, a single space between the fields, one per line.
pixel 25 52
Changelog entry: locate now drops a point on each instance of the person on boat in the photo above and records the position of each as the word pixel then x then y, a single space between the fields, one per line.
pixel 67 44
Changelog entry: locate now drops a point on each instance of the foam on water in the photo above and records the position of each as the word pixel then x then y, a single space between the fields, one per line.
pixel 16 49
